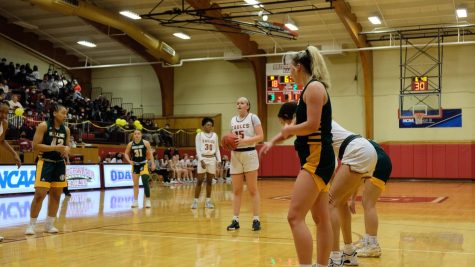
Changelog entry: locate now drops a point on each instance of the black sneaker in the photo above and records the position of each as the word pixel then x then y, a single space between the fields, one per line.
pixel 256 225
pixel 233 226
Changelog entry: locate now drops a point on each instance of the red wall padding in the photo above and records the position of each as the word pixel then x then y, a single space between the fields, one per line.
pixel 445 161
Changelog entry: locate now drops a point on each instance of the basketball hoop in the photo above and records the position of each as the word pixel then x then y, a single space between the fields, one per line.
pixel 419 117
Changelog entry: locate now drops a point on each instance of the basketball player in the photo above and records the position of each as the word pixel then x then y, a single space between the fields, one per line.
pixel 357 153
pixel 244 161
pixel 312 126
pixel 140 149
pixel 208 154
pixel 3 130
pixel 373 187
pixel 358 159
pixel 51 140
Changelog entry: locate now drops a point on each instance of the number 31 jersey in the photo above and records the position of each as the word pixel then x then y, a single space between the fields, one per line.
pixel 244 127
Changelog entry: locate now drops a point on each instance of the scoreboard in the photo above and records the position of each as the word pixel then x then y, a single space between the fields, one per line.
pixel 279 85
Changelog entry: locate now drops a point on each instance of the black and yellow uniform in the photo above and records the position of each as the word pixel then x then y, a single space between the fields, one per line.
pixel 315 150
pixel 139 157
pixel 383 167
pixel 51 168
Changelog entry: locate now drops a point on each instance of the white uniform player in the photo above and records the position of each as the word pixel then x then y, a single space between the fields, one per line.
pixel 208 154
pixel 207 150
pixel 359 154
pixel 245 162
pixel 244 158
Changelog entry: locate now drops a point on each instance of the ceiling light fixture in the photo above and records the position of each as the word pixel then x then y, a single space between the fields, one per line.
pixel 461 12
pixel 130 14
pixel 87 43
pixel 290 24
pixel 252 2
pixel 181 35
pixel 375 20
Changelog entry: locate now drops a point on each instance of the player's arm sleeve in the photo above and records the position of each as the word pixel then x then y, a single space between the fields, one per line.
pixel 198 147
pixel 255 120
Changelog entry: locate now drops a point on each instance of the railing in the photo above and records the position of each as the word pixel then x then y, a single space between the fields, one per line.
pixel 116 101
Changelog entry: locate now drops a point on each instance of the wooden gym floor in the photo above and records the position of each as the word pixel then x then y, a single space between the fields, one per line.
pixel 421 224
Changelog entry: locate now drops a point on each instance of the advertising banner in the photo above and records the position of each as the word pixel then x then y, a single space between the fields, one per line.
pixel 14 180
pixel 118 175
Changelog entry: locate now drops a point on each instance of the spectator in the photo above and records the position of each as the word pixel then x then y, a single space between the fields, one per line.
pixel 14 103
pixel 72 143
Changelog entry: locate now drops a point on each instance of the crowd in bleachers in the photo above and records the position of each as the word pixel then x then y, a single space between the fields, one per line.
pixel 23 87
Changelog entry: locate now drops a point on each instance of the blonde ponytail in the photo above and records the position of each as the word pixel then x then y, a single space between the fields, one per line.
pixel 318 67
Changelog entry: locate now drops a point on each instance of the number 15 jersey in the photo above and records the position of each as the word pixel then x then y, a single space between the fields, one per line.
pixel 244 127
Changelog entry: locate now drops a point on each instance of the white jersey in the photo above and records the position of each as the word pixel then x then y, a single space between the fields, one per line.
pixel 207 145
pixel 339 135
pixel 244 127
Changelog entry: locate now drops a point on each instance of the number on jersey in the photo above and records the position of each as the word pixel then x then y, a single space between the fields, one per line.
pixel 138 153
pixel 209 147
pixel 240 134
pixel 56 141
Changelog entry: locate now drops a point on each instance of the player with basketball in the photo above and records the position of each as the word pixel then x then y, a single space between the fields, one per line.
pixel 312 128
pixel 51 140
pixel 244 160
pixel 3 130
pixel 208 154
pixel 141 152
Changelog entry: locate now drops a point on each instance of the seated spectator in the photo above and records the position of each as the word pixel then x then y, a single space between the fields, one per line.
pixel 77 90
pixel 24 144
pixel 72 143
pixel 14 104
pixel 118 158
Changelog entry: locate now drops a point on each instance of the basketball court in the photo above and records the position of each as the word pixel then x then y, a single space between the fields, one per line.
pixel 423 226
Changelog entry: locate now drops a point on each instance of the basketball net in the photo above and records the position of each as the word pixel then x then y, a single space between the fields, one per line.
pixel 418 117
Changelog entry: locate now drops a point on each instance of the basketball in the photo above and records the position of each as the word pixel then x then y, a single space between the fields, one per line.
pixel 229 141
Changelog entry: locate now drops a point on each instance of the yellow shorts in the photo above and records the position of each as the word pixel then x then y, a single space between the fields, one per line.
pixel 141 169
pixel 50 174
pixel 378 183
pixel 319 183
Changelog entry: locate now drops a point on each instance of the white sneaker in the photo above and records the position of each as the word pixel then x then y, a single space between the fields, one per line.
pixel 30 230
pixel 370 251
pixel 361 243
pixel 135 204
pixel 350 259
pixel 148 203
pixel 195 204
pixel 49 228
pixel 332 263
pixel 209 204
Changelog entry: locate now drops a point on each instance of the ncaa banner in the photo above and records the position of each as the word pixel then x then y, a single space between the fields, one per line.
pixel 118 175
pixel 14 180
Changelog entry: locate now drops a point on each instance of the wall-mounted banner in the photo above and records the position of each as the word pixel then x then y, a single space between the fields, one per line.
pixel 14 180
pixel 450 118
pixel 118 175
